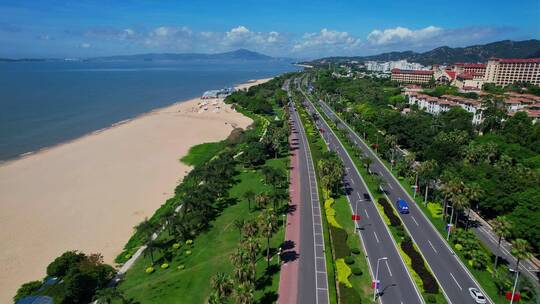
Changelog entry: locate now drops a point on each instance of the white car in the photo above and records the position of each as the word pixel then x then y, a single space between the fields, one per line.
pixel 477 296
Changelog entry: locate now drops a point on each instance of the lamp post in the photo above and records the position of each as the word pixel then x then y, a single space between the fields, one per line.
pixel 450 223
pixel 415 185
pixel 515 284
pixel 376 287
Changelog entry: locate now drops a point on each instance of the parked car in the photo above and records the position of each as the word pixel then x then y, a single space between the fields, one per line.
pixel 477 295
pixel 402 206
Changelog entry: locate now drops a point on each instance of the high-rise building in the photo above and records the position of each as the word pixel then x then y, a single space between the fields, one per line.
pixel 507 71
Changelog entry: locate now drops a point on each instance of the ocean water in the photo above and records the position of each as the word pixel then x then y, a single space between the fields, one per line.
pixel 46 103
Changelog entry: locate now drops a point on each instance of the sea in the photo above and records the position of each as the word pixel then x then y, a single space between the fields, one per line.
pixel 43 104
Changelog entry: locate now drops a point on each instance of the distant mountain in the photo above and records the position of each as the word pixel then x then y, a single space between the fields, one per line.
pixel 448 55
pixel 238 55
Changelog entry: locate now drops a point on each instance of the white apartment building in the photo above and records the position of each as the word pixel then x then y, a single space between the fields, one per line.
pixel 387 66
pixel 437 105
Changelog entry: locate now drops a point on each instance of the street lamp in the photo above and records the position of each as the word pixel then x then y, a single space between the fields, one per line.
pixel 515 284
pixel 376 287
pixel 356 212
pixel 415 185
pixel 450 223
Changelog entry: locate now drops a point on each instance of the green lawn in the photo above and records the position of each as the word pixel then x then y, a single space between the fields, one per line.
pixel 210 254
pixel 202 153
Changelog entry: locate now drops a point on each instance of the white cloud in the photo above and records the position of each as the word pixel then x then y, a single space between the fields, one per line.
pixel 85 45
pixel 327 41
pixel 402 34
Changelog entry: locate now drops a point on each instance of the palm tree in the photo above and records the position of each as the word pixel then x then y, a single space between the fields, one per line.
pixel 449 186
pixel 474 192
pixel 380 182
pixel 391 141
pixel 239 224
pixel 152 247
pixel 367 162
pixel 250 229
pixel 146 229
pixel 521 250
pixel 460 202
pixel 267 226
pixel 221 283
pixel 426 170
pixel 249 195
pixel 244 293
pixel 501 226
pixel 261 199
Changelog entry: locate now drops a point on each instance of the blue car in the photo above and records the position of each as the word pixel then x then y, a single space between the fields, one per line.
pixel 402 206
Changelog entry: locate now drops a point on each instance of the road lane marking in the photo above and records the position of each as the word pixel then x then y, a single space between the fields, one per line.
pixel 456 281
pixel 432 246
pixel 414 220
pixel 390 185
pixel 358 194
pixel 376 237
pixel 366 213
pixel 352 181
pixel 390 271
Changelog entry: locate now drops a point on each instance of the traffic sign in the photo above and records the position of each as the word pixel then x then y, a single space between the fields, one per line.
pixel 449 227
pixel 516 298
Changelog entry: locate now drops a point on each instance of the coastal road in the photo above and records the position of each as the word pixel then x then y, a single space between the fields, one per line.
pixel 312 274
pixel 453 277
pixel 396 284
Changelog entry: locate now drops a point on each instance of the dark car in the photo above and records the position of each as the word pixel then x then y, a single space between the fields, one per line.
pixel 367 197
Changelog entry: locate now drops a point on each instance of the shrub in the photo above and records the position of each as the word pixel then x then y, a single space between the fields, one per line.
pixel 355 250
pixel 349 260
pixel 430 298
pixel 176 246
pixel 435 210
pixel 189 242
pixel 127 256
pixel 181 267
pixel 418 265
pixel 357 271
pixel 149 269
pixel 343 272
pixel 27 289
pixel 339 242
pixel 458 247
pixel 389 212
pixel 188 252
pixel 164 266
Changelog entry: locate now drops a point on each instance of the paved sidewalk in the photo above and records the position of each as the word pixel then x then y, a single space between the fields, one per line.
pixel 288 281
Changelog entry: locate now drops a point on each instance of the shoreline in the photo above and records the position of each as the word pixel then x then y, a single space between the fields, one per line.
pixel 87 193
pixel 24 155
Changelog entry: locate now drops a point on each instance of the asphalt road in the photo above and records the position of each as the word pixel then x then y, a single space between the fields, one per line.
pixel 313 278
pixel 396 283
pixel 452 275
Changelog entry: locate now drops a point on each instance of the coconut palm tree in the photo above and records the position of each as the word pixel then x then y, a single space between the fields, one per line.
pixel 474 192
pixel 449 186
pixel 460 202
pixel 521 250
pixel 502 228
pixel 146 229
pixel 261 199
pixel 367 161
pixel 249 195
pixel 244 293
pixel 221 283
pixel 391 141
pixel 267 225
pixel 250 229
pixel 239 224
pixel 426 171
pixel 152 247
pixel 110 295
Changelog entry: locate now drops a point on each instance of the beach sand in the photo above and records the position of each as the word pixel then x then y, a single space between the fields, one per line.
pixel 89 193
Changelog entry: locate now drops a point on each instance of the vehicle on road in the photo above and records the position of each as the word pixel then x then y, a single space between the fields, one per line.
pixel 477 296
pixel 367 197
pixel 402 206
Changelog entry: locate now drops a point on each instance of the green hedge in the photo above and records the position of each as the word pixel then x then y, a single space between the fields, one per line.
pixel 389 211
pixel 428 281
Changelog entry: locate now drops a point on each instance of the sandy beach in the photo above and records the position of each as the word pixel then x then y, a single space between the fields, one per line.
pixel 89 193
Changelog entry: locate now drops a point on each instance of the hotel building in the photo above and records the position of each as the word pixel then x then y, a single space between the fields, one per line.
pixel 411 76
pixel 507 71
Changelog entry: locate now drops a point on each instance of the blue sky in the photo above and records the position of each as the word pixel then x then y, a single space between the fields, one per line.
pixel 297 28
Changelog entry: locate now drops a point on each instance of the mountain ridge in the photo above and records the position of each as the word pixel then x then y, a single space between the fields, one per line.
pixel 448 55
